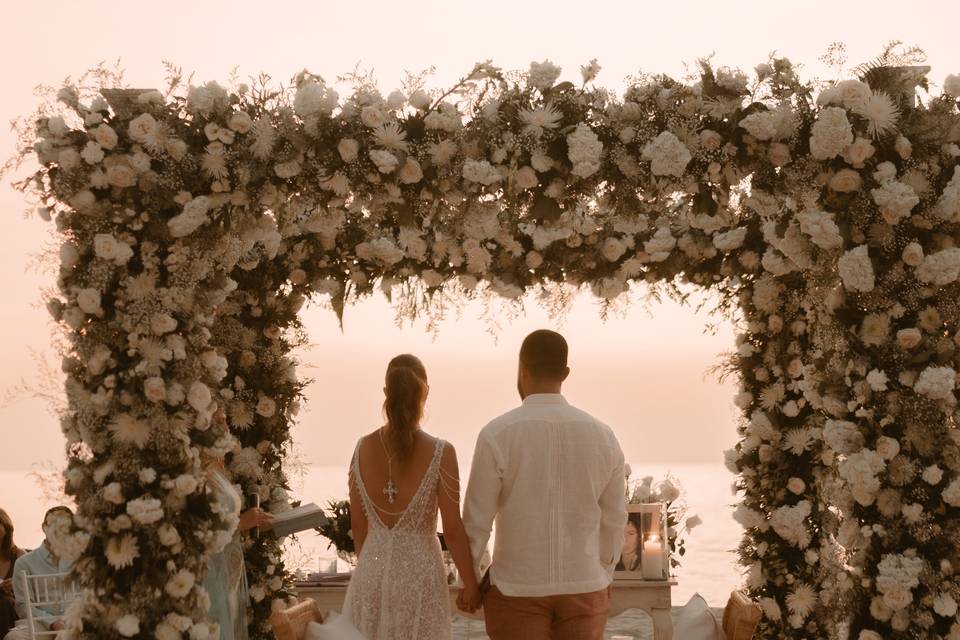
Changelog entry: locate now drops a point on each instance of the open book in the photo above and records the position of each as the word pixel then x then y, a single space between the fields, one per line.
pixel 306 516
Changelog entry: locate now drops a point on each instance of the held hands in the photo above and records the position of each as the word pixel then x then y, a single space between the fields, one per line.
pixel 469 599
pixel 254 518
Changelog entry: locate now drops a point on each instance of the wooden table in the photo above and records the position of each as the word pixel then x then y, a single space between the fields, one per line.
pixel 652 596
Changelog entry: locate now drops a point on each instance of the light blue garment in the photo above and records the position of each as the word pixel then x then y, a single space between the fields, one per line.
pixel 36 563
pixel 226 580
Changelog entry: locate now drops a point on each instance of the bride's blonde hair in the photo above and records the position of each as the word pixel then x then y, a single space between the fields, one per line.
pixel 405 389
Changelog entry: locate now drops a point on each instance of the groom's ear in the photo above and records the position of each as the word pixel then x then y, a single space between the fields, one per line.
pixel 566 374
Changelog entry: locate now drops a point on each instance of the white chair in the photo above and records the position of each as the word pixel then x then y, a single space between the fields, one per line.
pixel 51 593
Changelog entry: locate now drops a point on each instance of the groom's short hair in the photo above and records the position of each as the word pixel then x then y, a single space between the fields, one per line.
pixel 544 354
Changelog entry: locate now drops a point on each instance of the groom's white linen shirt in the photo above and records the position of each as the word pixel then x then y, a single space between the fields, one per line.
pixel 552 477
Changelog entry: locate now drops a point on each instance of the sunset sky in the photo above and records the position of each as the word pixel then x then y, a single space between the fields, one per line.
pixel 644 373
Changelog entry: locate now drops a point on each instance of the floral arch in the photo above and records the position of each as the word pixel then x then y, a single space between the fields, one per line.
pixel 195 222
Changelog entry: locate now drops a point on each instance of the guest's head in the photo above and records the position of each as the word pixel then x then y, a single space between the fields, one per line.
pixel 631 537
pixel 543 363
pixel 405 390
pixel 6 536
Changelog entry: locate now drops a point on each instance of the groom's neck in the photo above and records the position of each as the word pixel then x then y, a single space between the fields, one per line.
pixel 542 387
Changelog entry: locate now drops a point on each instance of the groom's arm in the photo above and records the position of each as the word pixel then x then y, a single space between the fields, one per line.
pixel 482 499
pixel 613 514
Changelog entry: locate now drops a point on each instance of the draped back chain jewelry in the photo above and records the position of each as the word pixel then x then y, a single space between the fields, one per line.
pixel 390 490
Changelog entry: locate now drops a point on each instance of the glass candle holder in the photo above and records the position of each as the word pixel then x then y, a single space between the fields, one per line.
pixel 654 543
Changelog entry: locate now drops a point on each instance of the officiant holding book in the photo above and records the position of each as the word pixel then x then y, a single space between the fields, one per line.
pixel 226 580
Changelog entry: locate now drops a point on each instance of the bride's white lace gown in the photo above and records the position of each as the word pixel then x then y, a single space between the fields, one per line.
pixel 399 589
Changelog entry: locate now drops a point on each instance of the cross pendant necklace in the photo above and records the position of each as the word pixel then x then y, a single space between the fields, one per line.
pixel 390 491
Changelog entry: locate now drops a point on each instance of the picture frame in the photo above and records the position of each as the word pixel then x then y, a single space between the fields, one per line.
pixel 643 520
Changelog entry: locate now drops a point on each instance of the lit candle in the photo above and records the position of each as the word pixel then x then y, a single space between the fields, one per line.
pixel 651 559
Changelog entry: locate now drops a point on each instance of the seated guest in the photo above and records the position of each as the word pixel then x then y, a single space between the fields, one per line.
pixel 41 561
pixel 9 552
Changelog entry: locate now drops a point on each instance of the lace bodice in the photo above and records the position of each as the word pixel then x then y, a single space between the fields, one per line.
pixel 399 589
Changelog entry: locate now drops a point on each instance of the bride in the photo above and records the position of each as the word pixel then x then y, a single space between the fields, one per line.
pixel 400 476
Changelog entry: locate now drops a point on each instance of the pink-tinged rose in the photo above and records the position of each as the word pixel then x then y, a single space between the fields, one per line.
pixel 240 122
pixel 155 389
pixel 525 178
pixel 913 254
pixel 410 172
pixel 711 140
pixel 348 148
pixel 105 136
pixel 845 181
pixel 266 407
pixel 779 154
pixel 120 175
pixel 909 338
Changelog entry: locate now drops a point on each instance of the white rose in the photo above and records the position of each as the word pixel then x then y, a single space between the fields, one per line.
pixel 796 485
pixel 372 116
pixel 142 127
pixel 266 407
pixel 155 389
pixel 162 323
pixel 525 178
pixel 348 148
pixel 89 301
pixel 932 475
pixel 128 625
pixel 912 254
pixel 420 100
pixel 68 159
pixel 199 396
pixel 856 269
pixel 410 172
pixel 241 122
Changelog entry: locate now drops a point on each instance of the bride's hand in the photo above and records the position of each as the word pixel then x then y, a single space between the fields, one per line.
pixel 469 599
pixel 253 518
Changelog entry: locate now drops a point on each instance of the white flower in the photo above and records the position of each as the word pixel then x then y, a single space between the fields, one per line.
pixel 191 218
pixel 128 625
pixel 856 269
pixel 145 510
pixel 944 605
pixel 168 535
pixel 442 152
pixel 266 407
pixel 831 134
pixel 660 245
pixel 853 94
pixel 727 241
pixel 897 575
pixel 912 254
pixel 411 172
pixel 199 396
pixel 749 518
pixel 584 150
pixel 480 171
pixel 537 119
pixel 204 99
pixel 877 380
pixel 92 153
pixel 881 113
pixel 940 268
pixel 798 440
pixel 128 430
pixel 788 522
pixel 796 485
pixel 314 99
pixel 122 551
pixel 936 382
pixel 147 475
pixel 246 463
pixel 142 128
pixel 240 122
pixel 180 584
pixel 419 100
pixel 385 161
pixel 185 484
pixel 760 125
pixel 802 600
pixel 887 447
pixel 667 155
pixel 896 200
pixel 932 475
pixel 288 169
pixel 668 491
pixel 543 75
pixel 909 338
pixel 89 301
pixel 372 116
pixel 391 136
pixel 860 470
pixel 348 148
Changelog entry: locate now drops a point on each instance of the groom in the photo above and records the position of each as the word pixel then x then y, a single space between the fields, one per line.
pixel 552 477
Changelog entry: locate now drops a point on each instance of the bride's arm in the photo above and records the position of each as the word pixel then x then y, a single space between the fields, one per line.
pixel 358 517
pixel 453 531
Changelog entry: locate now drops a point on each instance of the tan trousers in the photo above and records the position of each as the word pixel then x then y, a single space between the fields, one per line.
pixel 580 616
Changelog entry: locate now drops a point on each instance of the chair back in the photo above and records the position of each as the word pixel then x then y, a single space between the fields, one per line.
pixel 291 624
pixel 740 617
pixel 52 593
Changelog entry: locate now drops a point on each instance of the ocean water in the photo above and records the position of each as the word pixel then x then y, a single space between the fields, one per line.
pixel 708 568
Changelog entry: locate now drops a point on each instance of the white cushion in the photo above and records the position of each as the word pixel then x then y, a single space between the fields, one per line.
pixel 695 621
pixel 335 627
